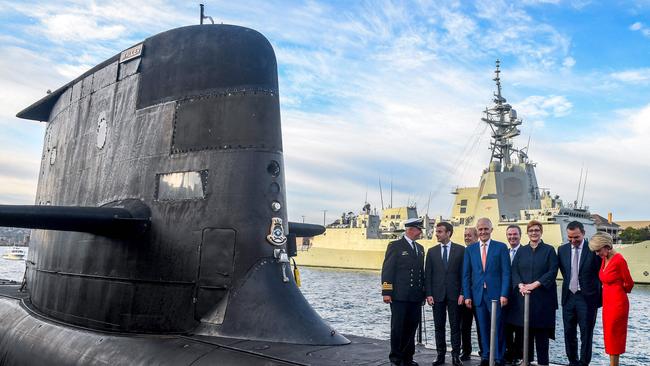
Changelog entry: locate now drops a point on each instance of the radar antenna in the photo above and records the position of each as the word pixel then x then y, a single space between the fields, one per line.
pixel 503 121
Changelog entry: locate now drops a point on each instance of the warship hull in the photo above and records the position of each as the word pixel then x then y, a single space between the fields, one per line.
pixel 347 248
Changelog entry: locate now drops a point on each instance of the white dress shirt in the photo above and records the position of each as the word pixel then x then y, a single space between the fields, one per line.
pixel 513 252
pixel 577 252
pixel 442 250
pixel 411 243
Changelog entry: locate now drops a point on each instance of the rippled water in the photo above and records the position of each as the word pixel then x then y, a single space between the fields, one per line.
pixel 351 302
pixel 12 269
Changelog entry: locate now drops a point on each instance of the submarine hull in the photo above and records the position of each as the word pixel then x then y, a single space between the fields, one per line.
pixel 26 339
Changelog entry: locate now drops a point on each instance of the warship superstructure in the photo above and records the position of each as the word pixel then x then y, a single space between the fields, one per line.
pixel 507 194
pixel 358 241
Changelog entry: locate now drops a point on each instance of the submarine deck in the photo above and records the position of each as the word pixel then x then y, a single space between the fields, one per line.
pixel 193 349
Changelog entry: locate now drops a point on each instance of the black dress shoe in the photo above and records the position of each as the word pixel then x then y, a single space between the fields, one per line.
pixel 409 363
pixel 440 360
pixel 465 357
pixel 455 360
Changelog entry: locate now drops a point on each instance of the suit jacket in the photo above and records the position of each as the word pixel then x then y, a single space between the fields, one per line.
pixel 496 275
pixel 444 282
pixel 530 266
pixel 402 274
pixel 587 274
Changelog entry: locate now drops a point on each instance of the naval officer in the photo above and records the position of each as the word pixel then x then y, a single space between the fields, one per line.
pixel 402 286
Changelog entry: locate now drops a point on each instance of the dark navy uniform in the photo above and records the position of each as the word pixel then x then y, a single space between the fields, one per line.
pixel 402 278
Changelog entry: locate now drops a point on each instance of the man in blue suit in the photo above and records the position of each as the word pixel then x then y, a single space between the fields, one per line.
pixel 581 293
pixel 486 277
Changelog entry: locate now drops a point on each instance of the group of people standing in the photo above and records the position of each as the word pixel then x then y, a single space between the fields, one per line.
pixel 461 281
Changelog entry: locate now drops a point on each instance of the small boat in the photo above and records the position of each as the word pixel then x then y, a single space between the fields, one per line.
pixel 14 253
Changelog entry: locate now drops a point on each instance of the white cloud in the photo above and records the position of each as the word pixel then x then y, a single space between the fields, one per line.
pixel 540 2
pixel 79 28
pixel 26 76
pixel 72 71
pixel 632 76
pixel 636 26
pixel 545 106
pixel 614 156
pixel 569 62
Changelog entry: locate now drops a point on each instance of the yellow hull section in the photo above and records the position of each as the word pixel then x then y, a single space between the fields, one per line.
pixel 348 249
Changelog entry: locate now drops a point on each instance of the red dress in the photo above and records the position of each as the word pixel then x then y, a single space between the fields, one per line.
pixel 617 283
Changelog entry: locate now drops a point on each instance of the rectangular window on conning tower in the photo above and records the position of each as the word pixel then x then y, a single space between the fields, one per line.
pixel 463 202
pixel 463 209
pixel 179 186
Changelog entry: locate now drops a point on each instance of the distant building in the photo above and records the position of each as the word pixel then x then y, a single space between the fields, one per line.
pixel 607 226
pixel 634 224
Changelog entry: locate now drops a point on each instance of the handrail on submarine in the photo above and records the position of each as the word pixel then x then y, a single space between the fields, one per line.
pixel 105 221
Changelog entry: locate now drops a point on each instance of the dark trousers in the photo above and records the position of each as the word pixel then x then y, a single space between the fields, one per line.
pixel 576 312
pixel 514 339
pixel 404 320
pixel 483 312
pixel 440 311
pixel 538 337
pixel 466 317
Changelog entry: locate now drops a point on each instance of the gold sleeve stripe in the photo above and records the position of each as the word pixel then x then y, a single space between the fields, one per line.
pixel 387 286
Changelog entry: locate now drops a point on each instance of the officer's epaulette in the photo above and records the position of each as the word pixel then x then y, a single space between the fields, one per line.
pixel 387 286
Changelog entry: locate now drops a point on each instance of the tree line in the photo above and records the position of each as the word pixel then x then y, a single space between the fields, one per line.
pixel 632 235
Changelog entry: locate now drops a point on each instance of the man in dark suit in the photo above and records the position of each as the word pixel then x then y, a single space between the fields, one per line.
pixel 486 277
pixel 443 281
pixel 402 278
pixel 581 293
pixel 467 316
pixel 513 334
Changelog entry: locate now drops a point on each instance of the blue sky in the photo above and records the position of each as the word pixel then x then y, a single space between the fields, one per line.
pixel 384 89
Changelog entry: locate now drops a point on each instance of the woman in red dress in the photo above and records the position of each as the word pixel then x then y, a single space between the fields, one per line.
pixel 617 283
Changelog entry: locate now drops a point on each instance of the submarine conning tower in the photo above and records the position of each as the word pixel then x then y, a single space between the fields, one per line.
pixel 179 139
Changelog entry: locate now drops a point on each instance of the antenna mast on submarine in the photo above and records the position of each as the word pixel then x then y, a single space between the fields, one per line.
pixel 203 16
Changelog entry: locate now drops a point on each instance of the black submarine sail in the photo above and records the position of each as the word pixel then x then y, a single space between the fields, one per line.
pixel 160 225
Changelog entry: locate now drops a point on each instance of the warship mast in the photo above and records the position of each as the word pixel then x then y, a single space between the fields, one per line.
pixel 503 121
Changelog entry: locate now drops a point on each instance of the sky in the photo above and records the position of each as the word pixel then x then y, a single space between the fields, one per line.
pixel 389 91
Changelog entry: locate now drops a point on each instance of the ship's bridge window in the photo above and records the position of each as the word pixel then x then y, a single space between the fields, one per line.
pixel 179 186
pixel 392 216
pixel 463 202
pixel 463 209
